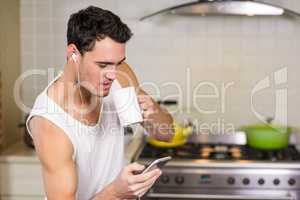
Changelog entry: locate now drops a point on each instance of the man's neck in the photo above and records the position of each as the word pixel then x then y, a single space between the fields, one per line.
pixel 84 96
pixel 80 96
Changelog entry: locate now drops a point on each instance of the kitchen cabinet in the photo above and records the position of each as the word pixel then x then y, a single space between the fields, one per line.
pixel 20 179
pixel 20 174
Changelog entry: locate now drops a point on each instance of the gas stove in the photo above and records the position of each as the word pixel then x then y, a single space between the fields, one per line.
pixel 225 171
pixel 219 152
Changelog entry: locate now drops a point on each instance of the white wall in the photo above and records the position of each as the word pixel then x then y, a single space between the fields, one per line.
pixel 217 49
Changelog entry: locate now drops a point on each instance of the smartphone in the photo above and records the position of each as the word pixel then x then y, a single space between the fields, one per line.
pixel 157 163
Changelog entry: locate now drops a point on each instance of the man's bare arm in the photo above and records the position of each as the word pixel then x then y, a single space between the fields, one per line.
pixel 55 152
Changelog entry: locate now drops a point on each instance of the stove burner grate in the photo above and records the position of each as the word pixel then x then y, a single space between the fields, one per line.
pixel 221 152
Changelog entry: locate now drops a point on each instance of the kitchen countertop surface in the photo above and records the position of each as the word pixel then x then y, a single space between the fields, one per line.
pixel 21 153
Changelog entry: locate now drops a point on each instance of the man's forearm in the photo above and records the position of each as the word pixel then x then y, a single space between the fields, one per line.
pixel 158 122
pixel 160 125
pixel 107 193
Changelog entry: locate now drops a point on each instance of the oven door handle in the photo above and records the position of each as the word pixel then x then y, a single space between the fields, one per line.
pixel 208 196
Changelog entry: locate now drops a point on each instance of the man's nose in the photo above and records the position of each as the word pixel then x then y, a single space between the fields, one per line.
pixel 111 74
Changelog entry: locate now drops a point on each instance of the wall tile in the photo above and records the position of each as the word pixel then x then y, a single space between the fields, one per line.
pixel 43 45
pixel 231 61
pixel 44 27
pixel 215 26
pixel 44 10
pixel 284 47
pixel 285 27
pixel 214 52
pixel 197 27
pixel 266 46
pixel 267 26
pixel 249 46
pixel 293 102
pixel 232 26
pixel 27 44
pixel 27 10
pixel 27 60
pixel 250 26
pixel 232 46
pixel 197 46
pixel 28 27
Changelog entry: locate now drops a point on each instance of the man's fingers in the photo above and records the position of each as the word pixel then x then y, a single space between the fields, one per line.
pixel 145 185
pixel 143 191
pixel 146 176
pixel 135 167
pixel 143 98
pixel 142 188
pixel 147 121
pixel 147 113
pixel 144 106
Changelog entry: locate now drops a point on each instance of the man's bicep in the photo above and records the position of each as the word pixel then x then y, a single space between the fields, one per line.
pixel 55 152
pixel 60 183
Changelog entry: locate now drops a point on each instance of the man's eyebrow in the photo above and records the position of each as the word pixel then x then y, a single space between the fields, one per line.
pixel 110 63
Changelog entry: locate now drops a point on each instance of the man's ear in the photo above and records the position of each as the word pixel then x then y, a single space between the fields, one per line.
pixel 72 52
pixel 72 48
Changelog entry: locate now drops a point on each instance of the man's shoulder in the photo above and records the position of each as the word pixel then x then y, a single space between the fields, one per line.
pixel 56 92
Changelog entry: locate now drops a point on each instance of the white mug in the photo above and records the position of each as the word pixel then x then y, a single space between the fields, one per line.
pixel 127 106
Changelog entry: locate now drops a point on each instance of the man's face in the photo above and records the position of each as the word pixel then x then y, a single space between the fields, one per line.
pixel 98 67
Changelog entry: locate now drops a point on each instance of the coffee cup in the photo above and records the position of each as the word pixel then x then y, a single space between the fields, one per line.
pixel 127 106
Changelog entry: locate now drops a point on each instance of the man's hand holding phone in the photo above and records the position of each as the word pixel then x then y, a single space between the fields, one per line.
pixel 130 184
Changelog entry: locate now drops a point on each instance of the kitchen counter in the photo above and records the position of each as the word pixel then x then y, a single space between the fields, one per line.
pixel 19 152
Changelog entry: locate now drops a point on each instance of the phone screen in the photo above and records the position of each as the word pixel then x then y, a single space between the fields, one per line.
pixel 157 163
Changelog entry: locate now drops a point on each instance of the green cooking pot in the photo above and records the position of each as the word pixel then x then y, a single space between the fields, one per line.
pixel 267 136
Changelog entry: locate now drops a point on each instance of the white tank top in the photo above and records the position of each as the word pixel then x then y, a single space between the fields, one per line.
pixel 98 150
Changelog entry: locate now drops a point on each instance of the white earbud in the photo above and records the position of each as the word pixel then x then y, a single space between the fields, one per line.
pixel 74 57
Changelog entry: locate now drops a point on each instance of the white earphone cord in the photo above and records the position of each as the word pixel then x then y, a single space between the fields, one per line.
pixel 78 82
pixel 74 58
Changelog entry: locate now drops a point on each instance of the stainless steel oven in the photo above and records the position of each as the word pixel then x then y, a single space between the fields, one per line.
pixel 223 172
pixel 174 196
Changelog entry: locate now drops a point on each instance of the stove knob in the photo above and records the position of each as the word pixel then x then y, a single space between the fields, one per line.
pixel 179 180
pixel 261 181
pixel 230 180
pixel 246 181
pixel 292 181
pixel 276 181
pixel 164 179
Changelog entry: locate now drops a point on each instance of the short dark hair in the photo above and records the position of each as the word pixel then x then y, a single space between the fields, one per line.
pixel 93 23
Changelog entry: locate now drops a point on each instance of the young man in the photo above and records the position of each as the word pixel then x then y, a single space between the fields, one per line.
pixel 74 125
